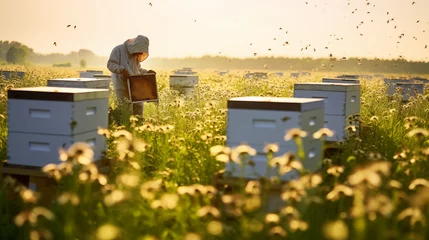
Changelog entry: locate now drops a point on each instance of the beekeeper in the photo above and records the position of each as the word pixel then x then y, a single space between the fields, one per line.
pixel 125 61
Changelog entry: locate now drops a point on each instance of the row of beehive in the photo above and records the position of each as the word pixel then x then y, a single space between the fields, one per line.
pixel 68 110
pixel 258 120
pixel 262 120
pixel 406 87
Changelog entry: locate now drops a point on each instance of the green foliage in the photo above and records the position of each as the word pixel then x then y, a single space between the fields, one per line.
pixel 160 186
pixel 333 64
pixel 83 63
pixel 66 64
pixel 16 55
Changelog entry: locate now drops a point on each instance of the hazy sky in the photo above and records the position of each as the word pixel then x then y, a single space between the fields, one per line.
pixel 226 26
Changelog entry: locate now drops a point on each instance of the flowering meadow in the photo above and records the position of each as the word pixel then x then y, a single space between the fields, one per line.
pixel 162 169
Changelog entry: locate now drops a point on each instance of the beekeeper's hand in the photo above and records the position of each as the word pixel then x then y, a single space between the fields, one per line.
pixel 151 71
pixel 125 74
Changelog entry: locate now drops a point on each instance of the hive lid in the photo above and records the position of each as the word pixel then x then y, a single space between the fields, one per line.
pixel 324 86
pixel 275 103
pixel 77 79
pixel 102 76
pixel 345 80
pixel 183 75
pixel 410 84
pixel 57 93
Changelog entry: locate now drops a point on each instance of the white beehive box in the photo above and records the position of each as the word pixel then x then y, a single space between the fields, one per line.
pixel 35 149
pixel 340 80
pixel 80 82
pixel 313 153
pixel 407 89
pixel 349 76
pixel 266 119
pixel 394 81
pixel 340 98
pixel 49 115
pixel 261 120
pixel 51 110
pixel 8 75
pixel 337 123
pixel 294 75
pixel 89 73
pixel 183 80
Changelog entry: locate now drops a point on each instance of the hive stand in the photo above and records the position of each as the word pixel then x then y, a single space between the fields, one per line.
pixel 31 177
pixel 342 100
pixel 43 119
pixel 262 120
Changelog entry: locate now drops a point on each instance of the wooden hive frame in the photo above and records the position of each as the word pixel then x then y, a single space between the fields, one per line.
pixel 137 92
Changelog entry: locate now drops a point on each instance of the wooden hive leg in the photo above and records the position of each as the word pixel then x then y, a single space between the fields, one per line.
pixel 45 186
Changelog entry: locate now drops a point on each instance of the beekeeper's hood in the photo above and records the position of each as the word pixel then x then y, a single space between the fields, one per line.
pixel 140 44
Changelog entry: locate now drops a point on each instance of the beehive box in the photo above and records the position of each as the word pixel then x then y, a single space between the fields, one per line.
pixel 340 98
pixel 261 120
pixel 260 168
pixel 89 73
pixel 183 80
pixel 338 123
pixel 294 75
pixel 340 80
pixel 80 82
pixel 42 119
pixel 257 75
pixel 396 80
pixel 407 89
pixel 36 149
pixel 350 76
pixel 11 75
pixel 184 71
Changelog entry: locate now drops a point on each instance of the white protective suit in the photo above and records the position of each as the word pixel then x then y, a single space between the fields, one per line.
pixel 121 58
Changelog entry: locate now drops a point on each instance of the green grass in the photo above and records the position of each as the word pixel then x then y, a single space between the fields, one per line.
pixel 161 183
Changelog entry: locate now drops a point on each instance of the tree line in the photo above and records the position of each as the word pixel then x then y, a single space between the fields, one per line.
pixel 18 53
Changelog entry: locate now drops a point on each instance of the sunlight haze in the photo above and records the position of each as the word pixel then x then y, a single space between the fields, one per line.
pixel 180 28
